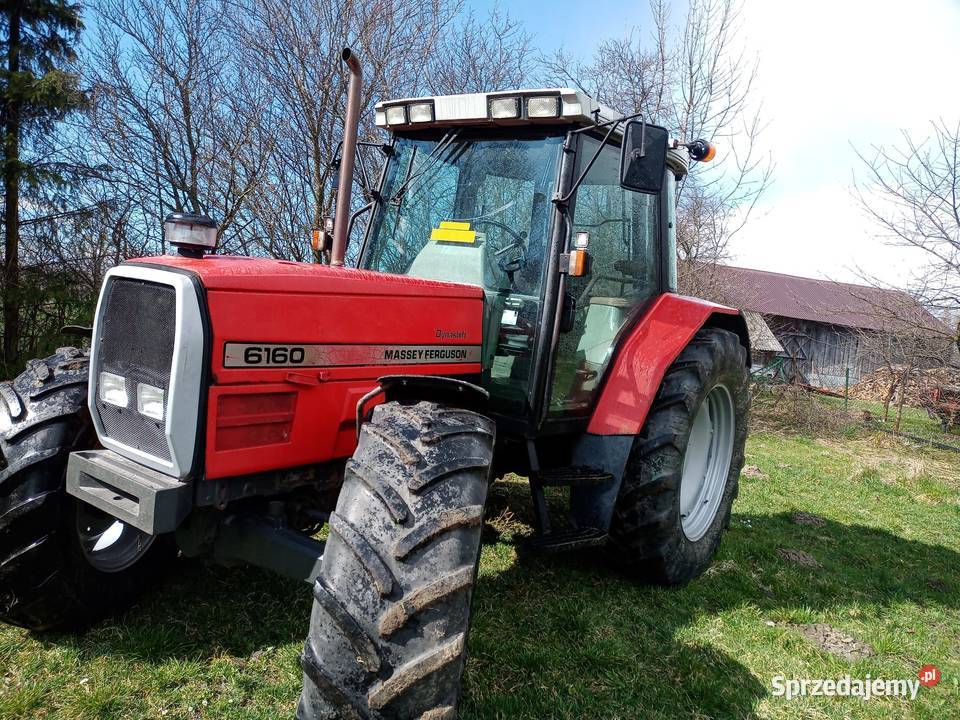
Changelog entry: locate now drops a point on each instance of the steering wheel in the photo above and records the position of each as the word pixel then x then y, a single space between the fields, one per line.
pixel 518 238
pixel 512 257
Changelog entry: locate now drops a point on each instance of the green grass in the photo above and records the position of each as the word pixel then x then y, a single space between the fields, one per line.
pixel 568 638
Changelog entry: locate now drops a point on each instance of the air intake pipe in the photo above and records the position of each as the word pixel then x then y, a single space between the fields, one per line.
pixel 341 221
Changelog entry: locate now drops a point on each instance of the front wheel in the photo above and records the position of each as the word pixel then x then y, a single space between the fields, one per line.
pixel 388 631
pixel 62 562
pixel 683 471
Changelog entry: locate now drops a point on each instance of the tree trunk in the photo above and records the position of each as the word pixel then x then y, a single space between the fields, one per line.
pixel 886 401
pixel 902 398
pixel 11 191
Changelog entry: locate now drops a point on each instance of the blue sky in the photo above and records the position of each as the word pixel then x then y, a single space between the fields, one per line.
pixel 834 75
pixel 575 25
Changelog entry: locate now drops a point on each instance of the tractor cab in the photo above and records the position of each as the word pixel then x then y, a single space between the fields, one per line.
pixel 530 195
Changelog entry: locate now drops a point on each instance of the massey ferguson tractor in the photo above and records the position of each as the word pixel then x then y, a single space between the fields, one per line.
pixel 513 309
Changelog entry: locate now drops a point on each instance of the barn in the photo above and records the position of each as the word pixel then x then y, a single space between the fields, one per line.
pixel 823 328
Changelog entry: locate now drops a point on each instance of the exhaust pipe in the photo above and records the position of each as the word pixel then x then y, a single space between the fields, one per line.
pixel 341 220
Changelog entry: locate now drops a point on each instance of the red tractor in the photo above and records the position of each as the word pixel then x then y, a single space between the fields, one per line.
pixel 514 309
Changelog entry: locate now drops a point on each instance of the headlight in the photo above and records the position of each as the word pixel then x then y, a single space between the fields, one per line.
pixel 397 115
pixel 504 108
pixel 150 401
pixel 113 389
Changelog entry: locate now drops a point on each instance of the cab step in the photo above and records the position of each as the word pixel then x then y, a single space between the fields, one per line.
pixel 573 476
pixel 563 541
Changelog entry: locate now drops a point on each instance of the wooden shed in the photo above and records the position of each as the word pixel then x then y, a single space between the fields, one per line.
pixel 821 326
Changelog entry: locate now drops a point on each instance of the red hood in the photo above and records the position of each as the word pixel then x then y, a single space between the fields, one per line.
pixel 355 321
pixel 233 272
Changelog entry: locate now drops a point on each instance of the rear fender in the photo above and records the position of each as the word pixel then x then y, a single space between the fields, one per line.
pixel 634 378
pixel 645 354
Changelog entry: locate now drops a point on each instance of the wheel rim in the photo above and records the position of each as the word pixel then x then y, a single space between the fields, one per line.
pixel 108 544
pixel 706 463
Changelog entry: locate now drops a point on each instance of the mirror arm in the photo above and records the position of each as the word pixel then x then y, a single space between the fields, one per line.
pixel 362 179
pixel 357 213
pixel 622 118
pixel 559 199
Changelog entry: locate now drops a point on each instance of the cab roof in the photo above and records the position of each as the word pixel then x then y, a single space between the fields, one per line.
pixel 550 106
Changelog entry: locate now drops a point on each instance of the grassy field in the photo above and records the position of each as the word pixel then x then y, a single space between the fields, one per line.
pixel 568 638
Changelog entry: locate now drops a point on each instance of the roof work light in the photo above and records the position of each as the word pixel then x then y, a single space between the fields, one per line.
pixel 543 107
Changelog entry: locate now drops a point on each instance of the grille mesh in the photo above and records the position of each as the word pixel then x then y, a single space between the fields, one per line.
pixel 136 336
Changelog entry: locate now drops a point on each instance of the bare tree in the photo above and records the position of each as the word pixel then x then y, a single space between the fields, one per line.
pixel 295 46
pixel 903 339
pixel 175 115
pixel 478 56
pixel 912 192
pixel 698 84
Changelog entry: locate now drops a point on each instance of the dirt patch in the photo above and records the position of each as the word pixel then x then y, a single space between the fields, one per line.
pixel 829 639
pixel 799 557
pixel 752 471
pixel 805 518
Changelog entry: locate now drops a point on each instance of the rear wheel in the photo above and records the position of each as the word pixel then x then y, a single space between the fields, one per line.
pixel 388 631
pixel 682 475
pixel 62 562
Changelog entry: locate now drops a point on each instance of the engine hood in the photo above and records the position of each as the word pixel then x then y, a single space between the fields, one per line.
pixel 239 273
pixel 292 347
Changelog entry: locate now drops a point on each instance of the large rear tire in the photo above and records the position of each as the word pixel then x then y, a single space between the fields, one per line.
pixel 683 471
pixel 388 631
pixel 61 561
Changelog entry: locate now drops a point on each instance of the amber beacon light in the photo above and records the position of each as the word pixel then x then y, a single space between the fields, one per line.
pixel 702 151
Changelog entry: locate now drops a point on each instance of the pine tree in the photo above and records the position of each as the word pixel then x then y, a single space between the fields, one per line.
pixel 36 90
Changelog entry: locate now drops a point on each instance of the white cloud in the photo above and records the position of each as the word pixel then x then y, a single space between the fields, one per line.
pixel 833 76
pixel 822 232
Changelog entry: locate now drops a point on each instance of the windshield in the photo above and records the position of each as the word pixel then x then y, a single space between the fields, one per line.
pixel 476 210
pixel 467 210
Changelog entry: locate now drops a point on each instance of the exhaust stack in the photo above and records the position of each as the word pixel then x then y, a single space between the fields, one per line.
pixel 341 221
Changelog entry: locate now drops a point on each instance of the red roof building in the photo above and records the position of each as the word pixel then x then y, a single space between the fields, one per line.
pixel 824 328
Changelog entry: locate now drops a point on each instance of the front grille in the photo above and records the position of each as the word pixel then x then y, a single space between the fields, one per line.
pixel 136 332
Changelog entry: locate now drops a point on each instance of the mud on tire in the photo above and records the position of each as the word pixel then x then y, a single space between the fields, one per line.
pixel 388 631
pixel 646 533
pixel 45 581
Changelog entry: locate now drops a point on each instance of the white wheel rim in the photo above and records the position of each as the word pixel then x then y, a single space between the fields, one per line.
pixel 108 544
pixel 706 463
pixel 109 537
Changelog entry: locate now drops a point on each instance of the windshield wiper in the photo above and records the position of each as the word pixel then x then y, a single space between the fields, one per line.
pixel 431 160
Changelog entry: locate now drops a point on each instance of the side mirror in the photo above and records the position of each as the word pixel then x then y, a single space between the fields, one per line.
pixel 643 157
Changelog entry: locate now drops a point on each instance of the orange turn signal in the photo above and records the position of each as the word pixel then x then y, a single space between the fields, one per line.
pixel 579 263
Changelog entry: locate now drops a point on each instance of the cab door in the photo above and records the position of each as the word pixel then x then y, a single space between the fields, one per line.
pixel 624 230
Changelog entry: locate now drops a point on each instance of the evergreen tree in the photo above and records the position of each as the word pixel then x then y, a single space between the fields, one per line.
pixel 36 90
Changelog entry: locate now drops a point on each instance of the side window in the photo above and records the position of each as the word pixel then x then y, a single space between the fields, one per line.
pixel 623 228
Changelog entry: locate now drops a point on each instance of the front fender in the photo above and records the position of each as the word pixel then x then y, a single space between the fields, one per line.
pixel 643 357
